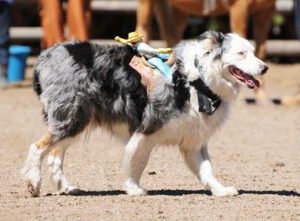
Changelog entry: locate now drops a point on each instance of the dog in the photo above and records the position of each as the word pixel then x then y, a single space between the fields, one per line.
pixel 85 85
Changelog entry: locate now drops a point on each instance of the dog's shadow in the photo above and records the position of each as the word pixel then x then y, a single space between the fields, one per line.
pixel 181 192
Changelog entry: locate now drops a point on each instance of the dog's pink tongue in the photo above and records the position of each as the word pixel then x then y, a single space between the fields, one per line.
pixel 252 82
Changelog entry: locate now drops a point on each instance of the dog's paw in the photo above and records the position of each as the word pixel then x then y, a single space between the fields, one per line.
pixel 226 191
pixel 137 191
pixel 33 187
pixel 133 189
pixel 32 178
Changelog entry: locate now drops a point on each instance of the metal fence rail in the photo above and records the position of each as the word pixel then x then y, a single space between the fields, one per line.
pixel 283 6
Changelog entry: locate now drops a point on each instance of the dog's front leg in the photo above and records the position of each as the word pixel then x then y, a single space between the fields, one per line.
pixel 137 154
pixel 199 163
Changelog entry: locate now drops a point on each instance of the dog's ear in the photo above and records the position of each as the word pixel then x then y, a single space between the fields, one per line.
pixel 215 37
pixel 213 42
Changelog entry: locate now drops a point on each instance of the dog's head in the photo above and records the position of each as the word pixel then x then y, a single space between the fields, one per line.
pixel 237 56
pixel 230 56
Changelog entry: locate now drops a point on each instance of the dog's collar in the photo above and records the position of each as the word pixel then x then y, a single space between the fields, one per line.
pixel 208 100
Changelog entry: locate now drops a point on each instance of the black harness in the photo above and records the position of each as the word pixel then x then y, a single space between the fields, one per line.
pixel 208 100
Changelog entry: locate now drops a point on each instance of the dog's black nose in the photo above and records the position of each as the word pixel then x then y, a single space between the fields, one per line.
pixel 264 69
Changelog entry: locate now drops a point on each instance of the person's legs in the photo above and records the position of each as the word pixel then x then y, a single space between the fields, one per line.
pixel 297 18
pixel 4 39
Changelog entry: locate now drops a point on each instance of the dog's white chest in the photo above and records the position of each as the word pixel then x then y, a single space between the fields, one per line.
pixel 204 125
pixel 192 128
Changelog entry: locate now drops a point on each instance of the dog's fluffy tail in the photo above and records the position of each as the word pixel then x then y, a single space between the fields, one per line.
pixel 36 83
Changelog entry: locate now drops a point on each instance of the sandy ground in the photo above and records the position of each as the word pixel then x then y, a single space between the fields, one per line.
pixel 257 151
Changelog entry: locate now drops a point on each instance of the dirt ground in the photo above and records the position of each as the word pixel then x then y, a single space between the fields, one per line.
pixel 257 151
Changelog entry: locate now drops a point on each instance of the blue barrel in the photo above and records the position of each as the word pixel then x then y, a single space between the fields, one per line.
pixel 17 62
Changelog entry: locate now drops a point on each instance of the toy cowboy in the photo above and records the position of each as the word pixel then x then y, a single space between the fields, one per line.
pixel 208 102
pixel 154 57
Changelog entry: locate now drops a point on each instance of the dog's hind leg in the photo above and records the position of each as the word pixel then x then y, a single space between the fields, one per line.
pixel 65 124
pixel 55 162
pixel 32 169
pixel 137 154
pixel 199 163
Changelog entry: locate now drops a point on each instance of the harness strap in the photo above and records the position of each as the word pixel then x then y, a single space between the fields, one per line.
pixel 208 100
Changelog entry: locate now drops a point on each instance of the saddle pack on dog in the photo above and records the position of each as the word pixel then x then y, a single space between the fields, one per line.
pixel 146 67
pixel 144 70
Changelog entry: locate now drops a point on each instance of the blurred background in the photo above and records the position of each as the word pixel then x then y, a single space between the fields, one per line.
pixel 39 24
pixel 111 18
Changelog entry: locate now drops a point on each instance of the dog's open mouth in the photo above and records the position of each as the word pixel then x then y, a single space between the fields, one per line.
pixel 247 79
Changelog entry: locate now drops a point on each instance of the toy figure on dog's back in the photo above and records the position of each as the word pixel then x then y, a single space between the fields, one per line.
pixel 154 57
pixel 162 59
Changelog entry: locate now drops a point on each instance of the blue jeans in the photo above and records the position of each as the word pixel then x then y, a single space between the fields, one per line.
pixel 297 18
pixel 4 38
pixel 161 66
pixel 4 31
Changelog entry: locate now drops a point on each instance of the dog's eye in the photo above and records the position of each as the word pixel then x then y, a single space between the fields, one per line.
pixel 241 53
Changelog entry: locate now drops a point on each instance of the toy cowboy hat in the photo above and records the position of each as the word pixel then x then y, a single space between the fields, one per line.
pixel 133 37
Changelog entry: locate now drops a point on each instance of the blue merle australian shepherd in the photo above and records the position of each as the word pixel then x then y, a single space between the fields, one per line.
pixel 83 85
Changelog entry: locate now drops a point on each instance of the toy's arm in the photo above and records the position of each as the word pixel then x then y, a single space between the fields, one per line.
pixel 121 40
pixel 145 49
pixel 164 50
